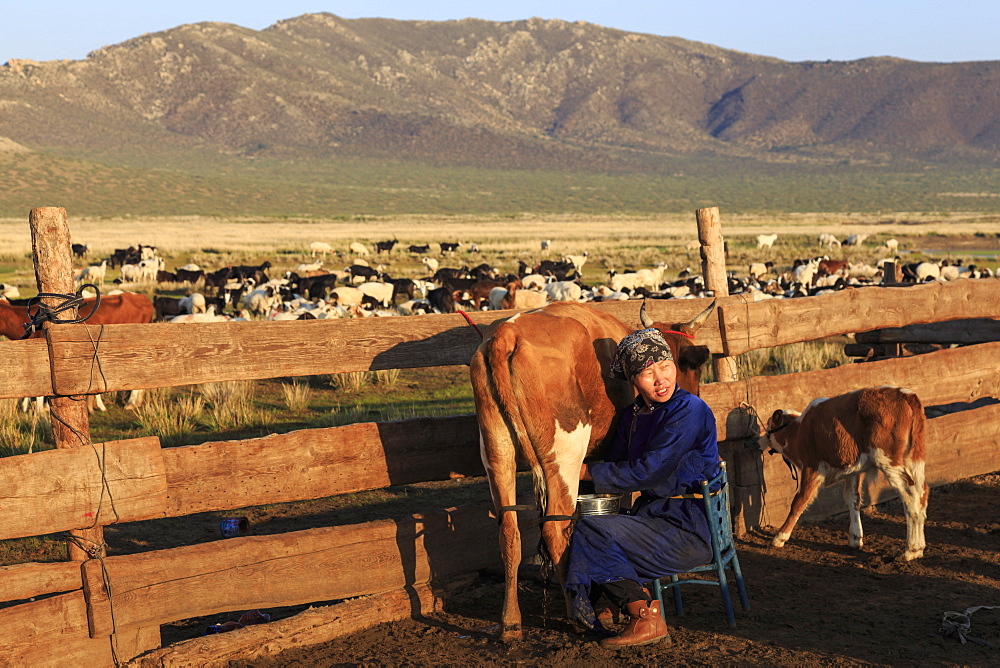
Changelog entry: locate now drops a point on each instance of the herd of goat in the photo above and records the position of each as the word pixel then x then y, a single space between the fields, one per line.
pixel 360 289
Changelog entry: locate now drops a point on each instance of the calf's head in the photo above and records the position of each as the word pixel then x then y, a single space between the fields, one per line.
pixel 775 438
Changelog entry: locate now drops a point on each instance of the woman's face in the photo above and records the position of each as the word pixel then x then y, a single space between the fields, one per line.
pixel 656 382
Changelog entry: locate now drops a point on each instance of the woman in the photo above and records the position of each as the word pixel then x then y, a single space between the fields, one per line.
pixel 665 444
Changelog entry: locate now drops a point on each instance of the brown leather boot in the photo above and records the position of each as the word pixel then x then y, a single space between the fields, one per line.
pixel 646 626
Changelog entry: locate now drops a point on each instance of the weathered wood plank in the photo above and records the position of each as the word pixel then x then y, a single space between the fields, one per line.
pixel 951 455
pixel 51 632
pixel 775 322
pixel 26 369
pixel 314 463
pixel 966 331
pixel 70 487
pixel 311 627
pixel 211 352
pixel 24 581
pixel 299 567
pixel 956 375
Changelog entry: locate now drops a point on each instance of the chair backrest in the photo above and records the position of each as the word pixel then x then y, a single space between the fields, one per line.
pixel 717 511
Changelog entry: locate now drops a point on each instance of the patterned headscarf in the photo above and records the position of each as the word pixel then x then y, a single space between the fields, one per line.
pixel 637 351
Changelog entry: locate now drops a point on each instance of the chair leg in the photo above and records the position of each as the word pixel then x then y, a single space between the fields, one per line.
pixel 678 602
pixel 726 601
pixel 658 595
pixel 744 600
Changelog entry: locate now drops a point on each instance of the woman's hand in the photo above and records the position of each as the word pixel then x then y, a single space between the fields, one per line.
pixel 585 472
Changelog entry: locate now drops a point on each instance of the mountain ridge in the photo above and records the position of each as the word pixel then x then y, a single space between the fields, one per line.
pixel 518 94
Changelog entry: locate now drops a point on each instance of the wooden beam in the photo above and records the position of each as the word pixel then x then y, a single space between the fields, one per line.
pixel 213 352
pixel 51 632
pixel 774 322
pixel 54 274
pixel 298 567
pixel 26 369
pixel 314 463
pixel 80 487
pixel 209 352
pixel 310 627
pixel 713 268
pixel 24 581
pixel 965 331
pixel 969 373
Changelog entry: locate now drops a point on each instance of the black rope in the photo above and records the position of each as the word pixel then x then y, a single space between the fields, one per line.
pixel 50 313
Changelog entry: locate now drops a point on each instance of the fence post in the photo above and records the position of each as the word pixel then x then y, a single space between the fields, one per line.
pixel 713 266
pixel 53 258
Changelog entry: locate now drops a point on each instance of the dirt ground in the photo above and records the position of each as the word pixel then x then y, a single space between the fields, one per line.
pixel 814 602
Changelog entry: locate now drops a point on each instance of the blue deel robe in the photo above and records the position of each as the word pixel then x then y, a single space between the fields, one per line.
pixel 661 453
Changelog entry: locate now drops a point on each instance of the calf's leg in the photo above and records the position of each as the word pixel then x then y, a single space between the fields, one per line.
pixel 809 482
pixel 852 497
pixel 914 498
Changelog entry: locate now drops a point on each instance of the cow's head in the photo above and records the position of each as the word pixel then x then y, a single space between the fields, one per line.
pixel 689 356
pixel 773 440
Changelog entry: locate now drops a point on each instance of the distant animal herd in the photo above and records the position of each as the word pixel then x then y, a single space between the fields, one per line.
pixel 362 286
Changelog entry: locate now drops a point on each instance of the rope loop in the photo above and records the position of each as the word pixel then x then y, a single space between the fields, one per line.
pixel 50 313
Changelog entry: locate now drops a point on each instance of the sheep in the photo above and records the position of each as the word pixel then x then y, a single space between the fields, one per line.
pixel 380 292
pixel 563 291
pixel 193 303
pixel 359 248
pixel 320 248
pixel 856 239
pixel 430 263
pixel 534 281
pixel 891 245
pixel 759 269
pixel 305 268
pixel 828 240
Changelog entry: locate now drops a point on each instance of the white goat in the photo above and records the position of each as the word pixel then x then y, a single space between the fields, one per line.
pixel 766 240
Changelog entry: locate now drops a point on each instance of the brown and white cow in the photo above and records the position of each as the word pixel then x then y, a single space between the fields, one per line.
pixel 543 392
pixel 844 437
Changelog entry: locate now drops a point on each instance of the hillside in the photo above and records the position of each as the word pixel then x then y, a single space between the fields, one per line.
pixel 525 95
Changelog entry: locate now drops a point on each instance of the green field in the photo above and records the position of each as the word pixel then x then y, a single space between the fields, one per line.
pixel 349 187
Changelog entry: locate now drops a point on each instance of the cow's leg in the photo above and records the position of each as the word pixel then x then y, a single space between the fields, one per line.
pixel 500 460
pixel 914 498
pixel 852 497
pixel 95 402
pixel 562 480
pixel 809 482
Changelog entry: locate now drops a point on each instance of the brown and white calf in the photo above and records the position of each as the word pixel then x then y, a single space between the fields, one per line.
pixel 544 394
pixel 842 438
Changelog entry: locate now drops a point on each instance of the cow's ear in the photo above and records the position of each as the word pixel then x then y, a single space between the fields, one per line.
pixel 692 357
pixel 777 415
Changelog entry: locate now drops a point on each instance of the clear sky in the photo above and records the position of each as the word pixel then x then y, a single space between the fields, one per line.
pixel 795 30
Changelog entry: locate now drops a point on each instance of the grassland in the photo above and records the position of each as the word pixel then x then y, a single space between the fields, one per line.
pixel 342 187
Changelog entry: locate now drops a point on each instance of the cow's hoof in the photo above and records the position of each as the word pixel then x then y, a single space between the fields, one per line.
pixel 778 541
pixel 910 555
pixel 855 543
pixel 512 634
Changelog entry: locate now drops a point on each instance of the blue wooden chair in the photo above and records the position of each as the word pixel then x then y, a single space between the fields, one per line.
pixel 723 551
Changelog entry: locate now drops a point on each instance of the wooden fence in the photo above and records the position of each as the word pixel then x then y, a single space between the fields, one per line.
pixel 106 609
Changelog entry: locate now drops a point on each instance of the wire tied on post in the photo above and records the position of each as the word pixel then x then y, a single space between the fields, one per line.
pixel 50 313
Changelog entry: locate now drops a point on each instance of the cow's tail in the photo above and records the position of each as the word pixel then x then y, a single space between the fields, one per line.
pixel 501 351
